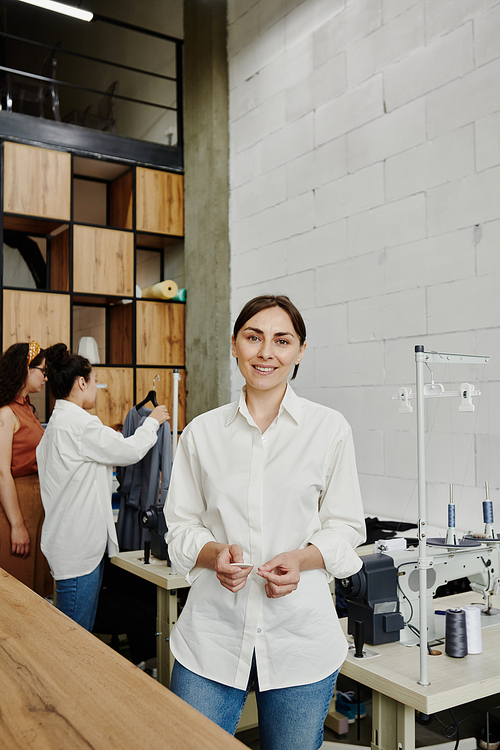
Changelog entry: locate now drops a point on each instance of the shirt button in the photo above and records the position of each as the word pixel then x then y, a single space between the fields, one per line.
pixel 259 630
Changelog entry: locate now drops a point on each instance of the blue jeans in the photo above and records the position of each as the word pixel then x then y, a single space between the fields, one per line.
pixel 78 597
pixel 289 718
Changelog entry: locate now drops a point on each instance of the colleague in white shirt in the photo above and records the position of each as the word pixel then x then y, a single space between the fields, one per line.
pixel 268 481
pixel 75 458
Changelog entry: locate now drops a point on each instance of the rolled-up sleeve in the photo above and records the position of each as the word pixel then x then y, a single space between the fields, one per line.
pixel 341 511
pixel 106 446
pixel 184 510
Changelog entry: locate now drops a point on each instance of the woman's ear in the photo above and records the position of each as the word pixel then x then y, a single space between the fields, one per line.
pixel 301 353
pixel 233 347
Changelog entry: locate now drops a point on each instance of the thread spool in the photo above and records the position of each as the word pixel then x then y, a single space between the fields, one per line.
pixel 473 626
pixel 451 534
pixel 487 511
pixel 456 633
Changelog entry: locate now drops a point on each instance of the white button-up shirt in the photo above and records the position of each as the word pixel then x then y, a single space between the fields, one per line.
pixel 295 485
pixel 75 459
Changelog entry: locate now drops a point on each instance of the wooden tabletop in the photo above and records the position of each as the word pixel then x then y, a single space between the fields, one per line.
pixel 396 671
pixel 61 688
pixel 156 571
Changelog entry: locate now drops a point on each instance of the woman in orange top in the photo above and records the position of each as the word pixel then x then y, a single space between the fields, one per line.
pixel 22 371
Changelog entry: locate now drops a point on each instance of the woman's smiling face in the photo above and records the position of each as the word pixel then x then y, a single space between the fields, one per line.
pixel 267 347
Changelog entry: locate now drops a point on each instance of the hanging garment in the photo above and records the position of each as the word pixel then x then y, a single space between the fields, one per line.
pixel 140 484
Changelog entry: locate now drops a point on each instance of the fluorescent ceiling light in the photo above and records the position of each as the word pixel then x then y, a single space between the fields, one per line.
pixel 67 10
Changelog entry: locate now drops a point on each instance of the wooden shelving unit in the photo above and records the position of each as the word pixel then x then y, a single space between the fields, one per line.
pixel 91 217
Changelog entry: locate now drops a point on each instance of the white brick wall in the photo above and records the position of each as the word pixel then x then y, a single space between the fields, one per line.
pixel 442 60
pixel 389 225
pixel 365 183
pixel 431 163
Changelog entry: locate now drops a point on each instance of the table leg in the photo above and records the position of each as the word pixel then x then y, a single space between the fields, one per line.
pixel 393 724
pixel 166 617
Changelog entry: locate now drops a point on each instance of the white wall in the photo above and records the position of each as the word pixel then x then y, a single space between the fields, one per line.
pixel 365 184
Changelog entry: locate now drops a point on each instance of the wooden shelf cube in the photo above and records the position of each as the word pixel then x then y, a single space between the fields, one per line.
pixel 103 261
pixel 35 316
pixel 160 333
pixel 115 401
pixel 59 261
pixel 37 181
pixel 121 202
pixel 159 202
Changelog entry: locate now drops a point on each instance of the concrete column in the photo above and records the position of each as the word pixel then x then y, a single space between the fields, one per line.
pixel 206 151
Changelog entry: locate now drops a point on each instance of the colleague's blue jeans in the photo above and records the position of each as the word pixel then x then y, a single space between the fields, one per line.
pixel 289 718
pixel 78 597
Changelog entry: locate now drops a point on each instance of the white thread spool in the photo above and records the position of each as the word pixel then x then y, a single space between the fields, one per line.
pixel 473 625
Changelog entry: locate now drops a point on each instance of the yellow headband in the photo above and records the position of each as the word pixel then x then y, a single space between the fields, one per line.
pixel 34 350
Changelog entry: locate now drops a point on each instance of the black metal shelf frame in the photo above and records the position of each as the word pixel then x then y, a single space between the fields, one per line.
pixel 79 297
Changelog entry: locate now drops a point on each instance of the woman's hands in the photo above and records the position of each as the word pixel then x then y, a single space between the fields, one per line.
pixel 219 557
pixel 160 413
pixel 282 573
pixel 232 578
pixel 20 540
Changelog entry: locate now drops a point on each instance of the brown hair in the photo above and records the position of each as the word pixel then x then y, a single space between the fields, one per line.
pixel 14 371
pixel 264 302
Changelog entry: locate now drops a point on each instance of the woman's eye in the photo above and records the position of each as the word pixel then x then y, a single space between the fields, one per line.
pixel 283 341
pixel 253 338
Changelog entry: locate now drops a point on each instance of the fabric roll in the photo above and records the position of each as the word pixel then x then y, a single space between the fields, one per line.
pixel 163 290
pixel 180 296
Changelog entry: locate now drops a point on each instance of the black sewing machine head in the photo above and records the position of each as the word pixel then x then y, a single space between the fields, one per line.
pixel 372 597
pixel 153 519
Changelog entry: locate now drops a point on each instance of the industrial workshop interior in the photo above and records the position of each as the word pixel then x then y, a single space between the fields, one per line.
pixel 250 374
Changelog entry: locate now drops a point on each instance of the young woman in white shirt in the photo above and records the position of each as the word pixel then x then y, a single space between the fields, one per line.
pixel 75 457
pixel 269 481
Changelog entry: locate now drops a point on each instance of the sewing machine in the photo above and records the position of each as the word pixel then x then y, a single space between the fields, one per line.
pixel 154 520
pixel 384 594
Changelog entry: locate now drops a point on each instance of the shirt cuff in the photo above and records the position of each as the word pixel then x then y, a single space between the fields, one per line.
pixel 185 559
pixel 341 560
pixel 152 423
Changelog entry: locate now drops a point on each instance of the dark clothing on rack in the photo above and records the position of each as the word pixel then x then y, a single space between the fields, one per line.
pixel 140 483
pixel 376 529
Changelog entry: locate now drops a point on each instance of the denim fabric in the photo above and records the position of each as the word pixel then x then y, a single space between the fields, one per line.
pixel 289 718
pixel 78 597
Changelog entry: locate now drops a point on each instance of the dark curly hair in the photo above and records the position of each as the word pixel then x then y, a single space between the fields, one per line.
pixel 14 371
pixel 63 368
pixel 264 302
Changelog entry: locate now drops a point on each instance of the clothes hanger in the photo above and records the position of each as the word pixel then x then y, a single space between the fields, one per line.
pixel 150 397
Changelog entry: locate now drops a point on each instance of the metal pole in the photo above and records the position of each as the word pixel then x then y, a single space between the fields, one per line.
pixel 423 562
pixel 175 415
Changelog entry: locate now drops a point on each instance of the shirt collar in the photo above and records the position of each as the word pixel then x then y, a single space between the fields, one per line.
pixel 65 405
pixel 290 403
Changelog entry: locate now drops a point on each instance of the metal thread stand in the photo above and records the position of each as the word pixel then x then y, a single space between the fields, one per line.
pixel 423 358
